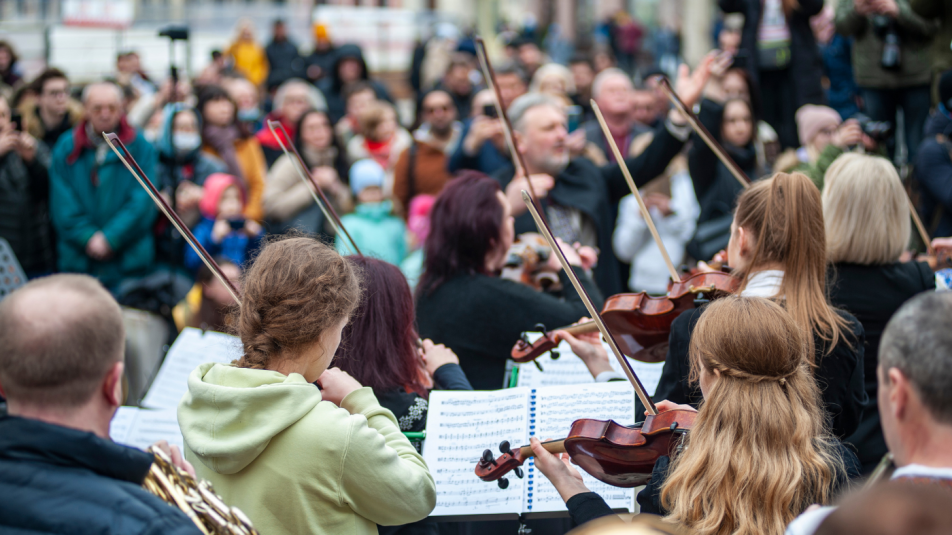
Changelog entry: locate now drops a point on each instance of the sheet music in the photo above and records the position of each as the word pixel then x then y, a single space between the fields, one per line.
pixel 570 370
pixel 140 428
pixel 555 410
pixel 460 425
pixel 190 349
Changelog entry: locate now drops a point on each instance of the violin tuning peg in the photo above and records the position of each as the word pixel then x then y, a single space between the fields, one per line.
pixel 505 447
pixel 503 483
pixel 488 457
pixel 554 354
pixel 524 338
pixel 518 472
pixel 539 327
pixel 538 365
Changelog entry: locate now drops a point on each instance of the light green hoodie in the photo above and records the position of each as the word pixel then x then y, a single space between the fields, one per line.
pixel 295 464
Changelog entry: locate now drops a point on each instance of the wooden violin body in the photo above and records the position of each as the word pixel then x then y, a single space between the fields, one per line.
pixel 528 253
pixel 615 454
pixel 640 322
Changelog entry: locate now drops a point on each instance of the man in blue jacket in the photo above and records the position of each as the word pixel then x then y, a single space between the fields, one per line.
pixel 61 371
pixel 103 218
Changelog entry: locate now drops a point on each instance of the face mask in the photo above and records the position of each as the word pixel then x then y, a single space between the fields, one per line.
pixel 249 115
pixel 186 141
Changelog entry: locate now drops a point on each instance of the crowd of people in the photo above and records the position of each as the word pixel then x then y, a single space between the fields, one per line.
pixel 832 352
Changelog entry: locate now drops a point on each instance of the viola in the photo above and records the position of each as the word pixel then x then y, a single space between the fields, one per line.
pixel 524 260
pixel 640 322
pixel 612 453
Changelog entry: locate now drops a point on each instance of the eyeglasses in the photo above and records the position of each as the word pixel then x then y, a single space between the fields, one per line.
pixel 56 93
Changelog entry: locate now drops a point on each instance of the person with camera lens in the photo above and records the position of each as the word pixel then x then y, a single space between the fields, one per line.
pixel 891 62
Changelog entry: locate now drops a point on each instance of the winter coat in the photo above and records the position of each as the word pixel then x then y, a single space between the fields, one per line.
pixel 377 232
pixel 251 159
pixel 250 60
pixel 24 210
pixel 33 124
pixel 87 196
pixel 61 480
pixel 806 66
pixel 285 62
pixel 915 38
pixel 333 87
pixel 237 246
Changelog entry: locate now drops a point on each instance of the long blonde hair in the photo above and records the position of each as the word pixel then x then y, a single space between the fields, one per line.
pixel 760 451
pixel 866 211
pixel 784 217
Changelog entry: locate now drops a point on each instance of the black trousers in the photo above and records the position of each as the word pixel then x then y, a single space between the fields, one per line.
pixel 779 105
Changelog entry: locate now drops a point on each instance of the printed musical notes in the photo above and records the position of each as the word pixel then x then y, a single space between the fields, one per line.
pixel 570 370
pixel 190 349
pixel 555 410
pixel 460 425
pixel 140 428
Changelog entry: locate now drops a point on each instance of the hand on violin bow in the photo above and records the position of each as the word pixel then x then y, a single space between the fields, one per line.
pixel 436 355
pixel 557 468
pixel 704 267
pixel 574 256
pixel 541 184
pixel 336 385
pixel 665 406
pixel 589 348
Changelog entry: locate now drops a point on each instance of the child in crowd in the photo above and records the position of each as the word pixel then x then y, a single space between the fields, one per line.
pixel 223 229
pixel 373 225
pixel 418 228
pixel 381 138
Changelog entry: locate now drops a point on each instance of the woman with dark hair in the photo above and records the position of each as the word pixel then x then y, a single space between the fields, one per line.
pixel 8 60
pixel 379 347
pixel 224 137
pixel 462 302
pixel 287 199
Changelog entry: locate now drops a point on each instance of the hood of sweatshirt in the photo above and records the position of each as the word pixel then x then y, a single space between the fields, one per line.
pixel 374 211
pixel 229 414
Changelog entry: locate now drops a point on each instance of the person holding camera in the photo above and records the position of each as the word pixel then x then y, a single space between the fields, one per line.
pixel 891 61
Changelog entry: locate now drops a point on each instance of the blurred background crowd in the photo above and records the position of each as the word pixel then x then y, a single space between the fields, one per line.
pixel 386 103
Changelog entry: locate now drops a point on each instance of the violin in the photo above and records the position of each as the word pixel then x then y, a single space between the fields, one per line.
pixel 612 453
pixel 640 322
pixel 524 260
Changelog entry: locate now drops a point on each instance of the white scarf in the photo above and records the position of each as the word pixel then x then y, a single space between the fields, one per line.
pixel 764 284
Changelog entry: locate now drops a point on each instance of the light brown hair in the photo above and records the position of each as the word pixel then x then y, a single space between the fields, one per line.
pixel 59 336
pixel 373 117
pixel 783 216
pixel 759 452
pixel 296 289
pixel 866 211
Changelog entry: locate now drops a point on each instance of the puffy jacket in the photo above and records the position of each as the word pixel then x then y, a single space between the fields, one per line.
pixel 377 231
pixel 87 196
pixel 61 480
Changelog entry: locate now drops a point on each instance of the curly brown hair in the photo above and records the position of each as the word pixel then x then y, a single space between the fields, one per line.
pixel 296 289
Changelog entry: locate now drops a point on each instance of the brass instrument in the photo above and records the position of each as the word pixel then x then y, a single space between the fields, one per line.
pixel 196 499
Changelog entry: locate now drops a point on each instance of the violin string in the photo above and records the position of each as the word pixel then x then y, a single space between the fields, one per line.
pixel 183 229
pixel 635 193
pixel 298 163
pixel 596 317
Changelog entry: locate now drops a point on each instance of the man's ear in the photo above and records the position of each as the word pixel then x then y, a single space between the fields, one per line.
pixel 112 384
pixel 899 393
pixel 519 140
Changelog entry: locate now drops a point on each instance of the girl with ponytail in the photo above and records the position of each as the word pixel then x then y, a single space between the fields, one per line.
pixel 778 251
pixel 294 458
pixel 760 451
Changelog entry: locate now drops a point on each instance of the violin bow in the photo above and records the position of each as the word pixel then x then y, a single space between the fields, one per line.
pixel 298 162
pixel 704 133
pixel 596 317
pixel 635 192
pixel 921 228
pixel 490 75
pixel 126 158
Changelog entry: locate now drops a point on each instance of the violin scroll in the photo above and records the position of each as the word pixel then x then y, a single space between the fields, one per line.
pixel 490 469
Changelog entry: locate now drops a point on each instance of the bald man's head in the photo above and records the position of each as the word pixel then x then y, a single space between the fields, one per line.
pixel 60 336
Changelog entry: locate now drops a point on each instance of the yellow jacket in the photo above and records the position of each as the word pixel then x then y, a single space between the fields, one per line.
pixel 250 60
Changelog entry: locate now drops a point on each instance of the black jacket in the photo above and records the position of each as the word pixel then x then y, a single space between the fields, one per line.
pixel 934 174
pixel 65 481
pixel 481 317
pixel 595 191
pixel 839 375
pixel 333 87
pixel 285 62
pixel 24 210
pixel 806 63
pixel 873 294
